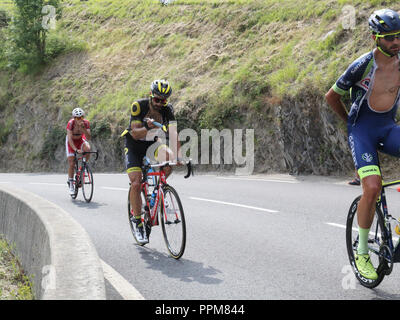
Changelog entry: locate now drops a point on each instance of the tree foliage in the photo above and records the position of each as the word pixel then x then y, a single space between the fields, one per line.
pixel 28 31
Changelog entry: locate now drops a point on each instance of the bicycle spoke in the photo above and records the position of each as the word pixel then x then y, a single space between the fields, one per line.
pixel 173 223
pixel 375 243
pixel 87 183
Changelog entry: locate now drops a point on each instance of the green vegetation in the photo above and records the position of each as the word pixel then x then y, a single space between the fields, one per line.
pixel 14 285
pixel 224 58
pixel 28 32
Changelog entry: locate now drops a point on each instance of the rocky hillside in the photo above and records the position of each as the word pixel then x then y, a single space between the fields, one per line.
pixel 262 65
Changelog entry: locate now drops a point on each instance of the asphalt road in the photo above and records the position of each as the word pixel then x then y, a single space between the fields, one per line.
pixel 259 237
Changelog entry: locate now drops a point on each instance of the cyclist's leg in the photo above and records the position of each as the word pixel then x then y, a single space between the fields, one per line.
pixel 133 156
pixel 71 165
pixel 86 148
pixel 70 157
pixel 134 153
pixel 135 178
pixel 163 153
pixel 364 152
pixel 391 143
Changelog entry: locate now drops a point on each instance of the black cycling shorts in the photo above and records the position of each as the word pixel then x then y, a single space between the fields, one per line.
pixel 135 150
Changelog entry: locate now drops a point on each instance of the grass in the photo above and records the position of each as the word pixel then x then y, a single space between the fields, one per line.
pixel 220 56
pixel 14 285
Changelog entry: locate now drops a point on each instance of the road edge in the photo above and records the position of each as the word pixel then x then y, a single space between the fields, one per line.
pixel 53 249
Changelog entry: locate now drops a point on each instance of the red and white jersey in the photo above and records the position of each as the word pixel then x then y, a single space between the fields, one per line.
pixel 75 133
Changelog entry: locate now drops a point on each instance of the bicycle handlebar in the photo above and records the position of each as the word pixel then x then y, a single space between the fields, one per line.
pixel 86 152
pixel 157 124
pixel 171 163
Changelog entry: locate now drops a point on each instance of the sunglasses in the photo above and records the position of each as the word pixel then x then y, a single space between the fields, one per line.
pixel 158 100
pixel 78 118
pixel 389 37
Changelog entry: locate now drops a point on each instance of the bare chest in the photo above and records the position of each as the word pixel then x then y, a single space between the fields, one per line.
pixel 387 81
pixel 154 115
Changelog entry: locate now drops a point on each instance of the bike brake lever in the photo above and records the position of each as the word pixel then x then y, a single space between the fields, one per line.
pixel 190 170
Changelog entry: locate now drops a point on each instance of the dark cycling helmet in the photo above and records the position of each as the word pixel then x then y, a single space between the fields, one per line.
pixel 161 88
pixel 384 20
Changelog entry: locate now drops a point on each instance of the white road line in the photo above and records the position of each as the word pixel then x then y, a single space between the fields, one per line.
pixel 50 184
pixel 124 288
pixel 336 225
pixel 116 189
pixel 355 229
pixel 256 179
pixel 234 204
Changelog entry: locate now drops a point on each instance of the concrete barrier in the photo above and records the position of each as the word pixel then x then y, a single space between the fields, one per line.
pixel 52 247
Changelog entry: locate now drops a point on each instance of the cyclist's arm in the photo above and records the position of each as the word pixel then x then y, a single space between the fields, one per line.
pixel 88 134
pixel 138 131
pixel 86 130
pixel 174 142
pixel 334 100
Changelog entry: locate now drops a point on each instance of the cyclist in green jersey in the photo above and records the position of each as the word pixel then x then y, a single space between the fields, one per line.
pixel 374 82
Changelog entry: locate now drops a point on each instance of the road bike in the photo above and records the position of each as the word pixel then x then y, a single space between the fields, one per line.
pixel 161 202
pixel 384 250
pixel 83 176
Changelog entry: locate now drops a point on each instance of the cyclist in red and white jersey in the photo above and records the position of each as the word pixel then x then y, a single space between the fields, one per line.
pixel 78 134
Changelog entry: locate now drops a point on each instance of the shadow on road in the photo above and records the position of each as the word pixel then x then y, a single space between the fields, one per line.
pixel 383 295
pixel 88 205
pixel 182 269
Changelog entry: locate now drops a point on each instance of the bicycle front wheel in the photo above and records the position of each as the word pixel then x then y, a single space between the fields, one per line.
pixel 173 222
pixel 87 183
pixel 376 241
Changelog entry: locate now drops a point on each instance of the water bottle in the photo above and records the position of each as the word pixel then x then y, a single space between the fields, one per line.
pixel 153 198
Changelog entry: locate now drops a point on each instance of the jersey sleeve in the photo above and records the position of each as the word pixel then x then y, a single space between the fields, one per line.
pixel 345 81
pixel 170 116
pixel 170 113
pixel 86 124
pixel 70 124
pixel 136 113
pixel 354 73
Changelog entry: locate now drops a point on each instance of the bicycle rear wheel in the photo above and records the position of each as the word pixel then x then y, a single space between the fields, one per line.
pixel 87 183
pixel 173 222
pixel 376 243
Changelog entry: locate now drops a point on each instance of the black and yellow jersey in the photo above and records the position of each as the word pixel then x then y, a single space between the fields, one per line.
pixel 140 109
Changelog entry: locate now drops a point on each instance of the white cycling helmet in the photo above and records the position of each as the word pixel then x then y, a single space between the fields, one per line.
pixel 78 112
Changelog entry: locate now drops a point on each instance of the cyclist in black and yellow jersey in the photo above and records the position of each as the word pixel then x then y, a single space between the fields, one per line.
pixel 143 138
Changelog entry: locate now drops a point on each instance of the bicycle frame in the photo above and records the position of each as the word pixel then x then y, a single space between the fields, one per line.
pixel 387 217
pixel 162 180
pixel 160 195
pixel 81 168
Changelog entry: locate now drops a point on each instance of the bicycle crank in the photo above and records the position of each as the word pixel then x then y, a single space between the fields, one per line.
pixel 385 259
